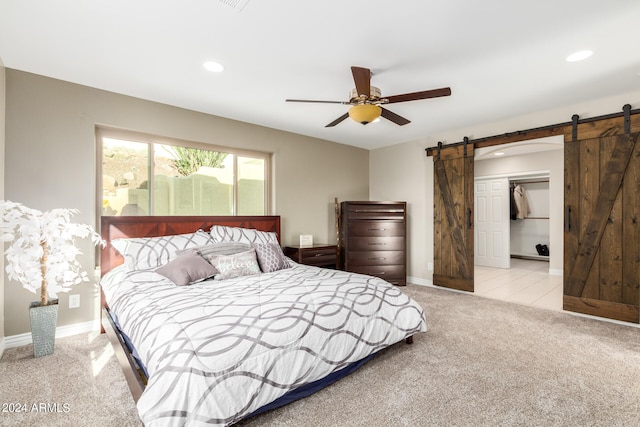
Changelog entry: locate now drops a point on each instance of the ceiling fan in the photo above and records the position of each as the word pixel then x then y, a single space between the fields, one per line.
pixel 366 100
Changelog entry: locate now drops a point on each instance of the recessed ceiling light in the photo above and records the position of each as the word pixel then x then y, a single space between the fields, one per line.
pixel 579 56
pixel 499 153
pixel 213 66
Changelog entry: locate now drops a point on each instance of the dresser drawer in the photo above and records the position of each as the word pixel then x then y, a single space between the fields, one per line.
pixel 394 274
pixel 374 258
pixel 374 211
pixel 377 243
pixel 376 228
pixel 386 272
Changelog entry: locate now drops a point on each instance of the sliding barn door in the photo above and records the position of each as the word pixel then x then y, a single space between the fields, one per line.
pixel 453 217
pixel 602 230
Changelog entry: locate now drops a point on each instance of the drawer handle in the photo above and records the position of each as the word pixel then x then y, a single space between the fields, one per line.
pixel 375 258
pixel 371 244
pixel 318 254
pixel 376 229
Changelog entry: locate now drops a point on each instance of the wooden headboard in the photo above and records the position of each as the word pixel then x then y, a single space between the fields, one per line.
pixel 115 227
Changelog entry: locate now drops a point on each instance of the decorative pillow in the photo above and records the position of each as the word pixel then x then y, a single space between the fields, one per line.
pixel 224 248
pixel 187 268
pixel 147 252
pixel 230 266
pixel 221 233
pixel 270 257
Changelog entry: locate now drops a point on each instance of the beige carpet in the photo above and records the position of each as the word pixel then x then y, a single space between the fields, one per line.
pixel 486 363
pixel 482 363
pixel 81 384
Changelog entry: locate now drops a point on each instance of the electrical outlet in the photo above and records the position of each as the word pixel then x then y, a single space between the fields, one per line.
pixel 74 301
pixel 430 266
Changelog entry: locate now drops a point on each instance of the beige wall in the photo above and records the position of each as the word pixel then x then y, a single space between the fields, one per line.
pixel 399 173
pixel 2 127
pixel 50 162
pixel 404 172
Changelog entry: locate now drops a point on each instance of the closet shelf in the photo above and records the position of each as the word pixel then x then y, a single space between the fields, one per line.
pixel 536 217
pixel 516 182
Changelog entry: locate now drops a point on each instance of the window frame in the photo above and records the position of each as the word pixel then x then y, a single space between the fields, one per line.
pixel 150 139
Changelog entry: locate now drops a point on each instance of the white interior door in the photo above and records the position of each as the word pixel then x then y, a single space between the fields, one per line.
pixel 492 226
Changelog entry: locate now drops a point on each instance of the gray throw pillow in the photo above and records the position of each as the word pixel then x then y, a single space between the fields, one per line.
pixel 270 257
pixel 189 267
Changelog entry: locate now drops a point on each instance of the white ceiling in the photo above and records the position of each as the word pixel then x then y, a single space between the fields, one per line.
pixel 501 58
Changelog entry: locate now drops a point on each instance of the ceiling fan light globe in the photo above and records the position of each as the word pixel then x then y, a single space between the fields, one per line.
pixel 364 113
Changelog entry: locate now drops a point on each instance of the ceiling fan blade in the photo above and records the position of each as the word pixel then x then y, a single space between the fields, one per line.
pixel 434 93
pixel 362 79
pixel 338 120
pixel 320 102
pixel 395 118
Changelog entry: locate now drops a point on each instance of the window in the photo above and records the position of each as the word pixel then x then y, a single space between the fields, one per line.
pixel 141 174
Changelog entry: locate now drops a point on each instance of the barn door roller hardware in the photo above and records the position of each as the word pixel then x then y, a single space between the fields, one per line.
pixel 574 127
pixel 626 109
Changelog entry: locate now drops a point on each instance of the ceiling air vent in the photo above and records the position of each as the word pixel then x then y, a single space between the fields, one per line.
pixel 235 4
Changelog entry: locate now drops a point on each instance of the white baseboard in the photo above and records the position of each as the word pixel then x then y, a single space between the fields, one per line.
pixel 419 281
pixel 2 346
pixel 61 332
pixel 556 272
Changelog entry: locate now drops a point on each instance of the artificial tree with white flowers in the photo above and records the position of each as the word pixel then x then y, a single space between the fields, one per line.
pixel 42 251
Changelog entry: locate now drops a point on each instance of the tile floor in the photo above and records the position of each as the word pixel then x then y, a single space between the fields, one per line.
pixel 526 282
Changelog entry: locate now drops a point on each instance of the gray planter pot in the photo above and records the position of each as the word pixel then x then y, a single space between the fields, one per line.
pixel 43 327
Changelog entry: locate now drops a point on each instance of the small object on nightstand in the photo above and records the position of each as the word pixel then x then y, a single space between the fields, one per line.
pixel 306 240
pixel 319 255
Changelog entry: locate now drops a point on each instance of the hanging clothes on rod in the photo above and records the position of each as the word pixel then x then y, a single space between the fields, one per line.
pixel 513 210
pixel 521 202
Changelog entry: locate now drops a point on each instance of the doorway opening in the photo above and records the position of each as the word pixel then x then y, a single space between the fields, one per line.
pixel 511 262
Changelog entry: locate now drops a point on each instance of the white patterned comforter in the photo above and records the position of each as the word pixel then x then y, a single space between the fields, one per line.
pixel 217 351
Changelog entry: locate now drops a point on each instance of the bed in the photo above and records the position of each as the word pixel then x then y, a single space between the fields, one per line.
pixel 202 349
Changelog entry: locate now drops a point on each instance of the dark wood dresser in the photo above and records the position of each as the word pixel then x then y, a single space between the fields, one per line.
pixel 373 239
pixel 319 255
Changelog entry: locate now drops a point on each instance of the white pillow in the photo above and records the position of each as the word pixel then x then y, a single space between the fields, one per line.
pixel 150 252
pixel 221 233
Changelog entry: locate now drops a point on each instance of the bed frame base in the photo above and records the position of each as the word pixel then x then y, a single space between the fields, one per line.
pixel 136 380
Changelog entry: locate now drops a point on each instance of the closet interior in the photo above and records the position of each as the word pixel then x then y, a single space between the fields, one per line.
pixel 529 217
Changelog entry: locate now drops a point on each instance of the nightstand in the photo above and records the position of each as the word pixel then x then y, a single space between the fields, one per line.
pixel 319 254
